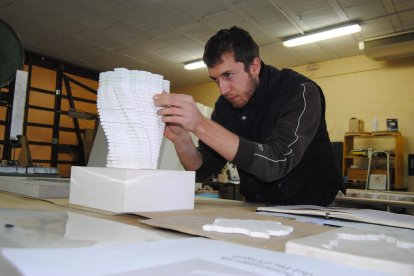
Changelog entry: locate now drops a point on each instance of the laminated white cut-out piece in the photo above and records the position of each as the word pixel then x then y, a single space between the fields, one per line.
pixel 129 118
pixel 253 228
pixel 384 249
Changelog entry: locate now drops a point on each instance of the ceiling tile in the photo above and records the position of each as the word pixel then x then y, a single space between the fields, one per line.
pixel 160 35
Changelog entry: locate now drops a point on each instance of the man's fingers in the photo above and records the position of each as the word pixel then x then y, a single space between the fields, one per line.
pixel 169 111
pixel 171 119
pixel 171 99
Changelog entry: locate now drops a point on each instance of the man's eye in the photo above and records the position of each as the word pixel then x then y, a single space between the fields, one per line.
pixel 227 75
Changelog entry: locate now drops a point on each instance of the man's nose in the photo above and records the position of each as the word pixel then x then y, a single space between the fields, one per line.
pixel 224 87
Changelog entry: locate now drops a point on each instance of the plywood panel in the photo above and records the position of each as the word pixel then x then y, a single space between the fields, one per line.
pixel 41 99
pixel 88 107
pixel 84 124
pixel 3 111
pixel 39 134
pixel 64 169
pixel 66 121
pixel 80 106
pixel 64 104
pixel 40 152
pixel 2 127
pixel 43 78
pixel 68 156
pixel 40 116
pixel 68 138
pixel 80 92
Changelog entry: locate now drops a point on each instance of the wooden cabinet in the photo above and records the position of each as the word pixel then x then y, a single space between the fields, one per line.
pixel 355 156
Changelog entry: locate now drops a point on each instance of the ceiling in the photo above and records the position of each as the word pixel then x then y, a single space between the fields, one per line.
pixel 161 35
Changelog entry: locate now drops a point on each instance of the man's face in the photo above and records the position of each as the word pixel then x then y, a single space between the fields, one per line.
pixel 235 84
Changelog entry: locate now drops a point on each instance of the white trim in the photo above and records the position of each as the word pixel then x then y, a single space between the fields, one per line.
pixel 296 130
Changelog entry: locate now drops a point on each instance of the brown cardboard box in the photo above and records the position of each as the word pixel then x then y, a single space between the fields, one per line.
pixel 361 175
pixel 356 125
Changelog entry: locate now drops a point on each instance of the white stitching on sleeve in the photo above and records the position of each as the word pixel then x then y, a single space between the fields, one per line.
pixel 296 136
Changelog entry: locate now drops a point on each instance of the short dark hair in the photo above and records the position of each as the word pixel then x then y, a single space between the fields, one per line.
pixel 236 41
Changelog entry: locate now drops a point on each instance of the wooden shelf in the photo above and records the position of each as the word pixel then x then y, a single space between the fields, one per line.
pixel 374 133
pixel 366 157
pixel 360 175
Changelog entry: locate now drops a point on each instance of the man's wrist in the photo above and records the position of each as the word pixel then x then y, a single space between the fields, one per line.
pixel 201 129
pixel 182 141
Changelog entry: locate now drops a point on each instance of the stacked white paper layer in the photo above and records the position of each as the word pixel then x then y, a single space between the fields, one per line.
pixel 128 117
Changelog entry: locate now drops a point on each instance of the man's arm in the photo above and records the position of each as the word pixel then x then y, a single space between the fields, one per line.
pixel 291 135
pixel 218 138
pixel 189 156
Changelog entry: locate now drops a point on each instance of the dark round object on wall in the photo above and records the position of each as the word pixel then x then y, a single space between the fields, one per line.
pixel 11 53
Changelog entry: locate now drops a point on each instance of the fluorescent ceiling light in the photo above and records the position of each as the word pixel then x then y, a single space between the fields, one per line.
pixel 194 65
pixel 340 31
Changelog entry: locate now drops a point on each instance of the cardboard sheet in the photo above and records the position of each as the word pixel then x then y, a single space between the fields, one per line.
pixel 214 205
pixel 191 222
pixel 185 221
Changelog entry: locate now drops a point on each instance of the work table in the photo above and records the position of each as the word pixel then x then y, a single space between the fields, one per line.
pixel 55 223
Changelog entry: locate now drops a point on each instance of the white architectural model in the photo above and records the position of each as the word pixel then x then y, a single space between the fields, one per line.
pixel 128 117
pixel 131 181
pixel 249 227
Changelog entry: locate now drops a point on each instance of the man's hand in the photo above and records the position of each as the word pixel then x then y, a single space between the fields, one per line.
pixel 174 132
pixel 178 110
pixel 181 115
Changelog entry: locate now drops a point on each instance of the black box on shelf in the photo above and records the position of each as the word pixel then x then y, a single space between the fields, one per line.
pixel 392 124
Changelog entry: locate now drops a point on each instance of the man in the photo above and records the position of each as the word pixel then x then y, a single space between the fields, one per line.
pixel 270 123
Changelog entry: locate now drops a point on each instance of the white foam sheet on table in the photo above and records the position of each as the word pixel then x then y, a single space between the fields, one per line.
pixel 389 252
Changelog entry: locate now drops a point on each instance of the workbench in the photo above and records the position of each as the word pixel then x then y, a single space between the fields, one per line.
pixel 55 223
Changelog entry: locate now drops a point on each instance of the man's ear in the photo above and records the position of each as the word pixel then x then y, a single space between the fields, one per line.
pixel 255 67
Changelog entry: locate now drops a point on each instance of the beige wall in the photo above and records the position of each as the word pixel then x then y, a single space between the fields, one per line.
pixel 206 93
pixel 354 87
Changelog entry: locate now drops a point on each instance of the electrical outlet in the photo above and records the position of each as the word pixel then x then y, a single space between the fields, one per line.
pixel 411 164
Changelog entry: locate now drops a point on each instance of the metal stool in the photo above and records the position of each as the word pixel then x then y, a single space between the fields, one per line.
pixel 370 153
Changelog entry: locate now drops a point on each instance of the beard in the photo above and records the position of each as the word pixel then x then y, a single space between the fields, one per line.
pixel 251 87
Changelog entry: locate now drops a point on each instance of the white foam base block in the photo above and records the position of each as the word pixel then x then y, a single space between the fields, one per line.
pixel 131 191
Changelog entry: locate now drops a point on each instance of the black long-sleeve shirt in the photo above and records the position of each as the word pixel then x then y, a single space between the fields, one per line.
pixel 284 154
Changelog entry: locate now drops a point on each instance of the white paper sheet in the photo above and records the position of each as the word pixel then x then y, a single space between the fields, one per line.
pixel 192 256
pixel 50 229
